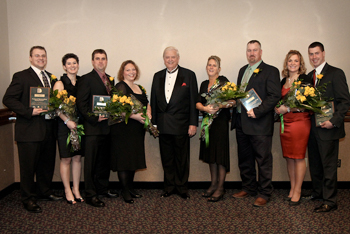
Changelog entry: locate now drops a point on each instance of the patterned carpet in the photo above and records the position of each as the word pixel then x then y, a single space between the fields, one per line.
pixel 152 214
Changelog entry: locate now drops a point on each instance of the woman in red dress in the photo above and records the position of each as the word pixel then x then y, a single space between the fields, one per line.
pixel 296 126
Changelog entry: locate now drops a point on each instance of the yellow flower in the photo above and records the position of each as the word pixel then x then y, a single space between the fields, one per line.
pixel 131 103
pixel 319 76
pixel 235 88
pixel 72 98
pixel 66 100
pixel 298 92
pixel 58 95
pixel 256 71
pixel 111 78
pixel 53 77
pixel 228 83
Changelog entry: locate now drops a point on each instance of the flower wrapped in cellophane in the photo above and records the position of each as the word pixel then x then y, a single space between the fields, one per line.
pixel 139 108
pixel 62 104
pixel 219 95
pixel 119 108
pixel 304 97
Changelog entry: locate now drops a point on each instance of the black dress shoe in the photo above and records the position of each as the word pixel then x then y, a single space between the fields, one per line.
pixel 185 196
pixel 166 194
pixel 134 194
pixel 32 207
pixel 127 197
pixel 50 198
pixel 325 208
pixel 109 194
pixel 95 202
pixel 295 203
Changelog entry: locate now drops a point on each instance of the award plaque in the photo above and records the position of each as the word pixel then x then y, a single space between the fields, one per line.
pixel 251 101
pixel 99 104
pixel 39 97
pixel 328 110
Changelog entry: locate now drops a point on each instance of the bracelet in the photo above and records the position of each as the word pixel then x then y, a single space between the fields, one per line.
pixel 65 122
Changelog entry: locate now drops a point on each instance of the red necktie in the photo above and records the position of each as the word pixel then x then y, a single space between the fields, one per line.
pixel 106 83
pixel 314 78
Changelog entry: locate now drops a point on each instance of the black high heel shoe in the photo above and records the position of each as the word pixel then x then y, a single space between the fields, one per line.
pixel 208 193
pixel 134 194
pixel 293 203
pixel 77 199
pixel 71 202
pixel 216 199
pixel 127 197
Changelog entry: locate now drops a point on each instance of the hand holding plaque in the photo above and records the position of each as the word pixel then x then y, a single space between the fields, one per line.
pixel 99 105
pixel 328 111
pixel 251 101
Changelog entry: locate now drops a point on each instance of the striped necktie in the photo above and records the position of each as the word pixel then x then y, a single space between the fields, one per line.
pixel 46 82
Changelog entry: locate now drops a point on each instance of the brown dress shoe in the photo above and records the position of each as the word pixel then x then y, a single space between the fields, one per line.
pixel 241 194
pixel 259 202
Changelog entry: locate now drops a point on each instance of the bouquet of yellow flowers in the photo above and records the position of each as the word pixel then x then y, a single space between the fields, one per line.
pixel 60 103
pixel 119 108
pixel 304 97
pixel 219 95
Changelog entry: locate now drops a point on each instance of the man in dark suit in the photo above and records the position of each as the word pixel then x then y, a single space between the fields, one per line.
pixel 173 101
pixel 97 132
pixel 254 128
pixel 323 147
pixel 34 132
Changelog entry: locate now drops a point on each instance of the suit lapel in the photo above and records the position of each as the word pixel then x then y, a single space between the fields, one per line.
pixel 162 86
pixel 254 76
pixel 35 77
pixel 323 72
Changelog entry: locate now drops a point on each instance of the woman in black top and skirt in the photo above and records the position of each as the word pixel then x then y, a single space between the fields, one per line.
pixel 217 154
pixel 128 140
pixel 67 82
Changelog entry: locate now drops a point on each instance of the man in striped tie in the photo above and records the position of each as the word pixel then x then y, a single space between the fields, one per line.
pixel 34 132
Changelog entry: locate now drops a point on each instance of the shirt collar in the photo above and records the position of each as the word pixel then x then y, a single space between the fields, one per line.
pixel 320 68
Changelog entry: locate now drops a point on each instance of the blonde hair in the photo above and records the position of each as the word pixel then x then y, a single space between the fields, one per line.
pixel 216 59
pixel 302 68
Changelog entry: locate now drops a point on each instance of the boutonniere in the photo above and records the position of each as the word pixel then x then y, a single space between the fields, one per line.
pixel 319 77
pixel 53 77
pixel 256 71
pixel 111 78
pixel 183 84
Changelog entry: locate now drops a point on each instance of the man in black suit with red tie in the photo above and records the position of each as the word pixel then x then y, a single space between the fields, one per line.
pixel 173 102
pixel 97 132
pixel 34 132
pixel 254 128
pixel 323 147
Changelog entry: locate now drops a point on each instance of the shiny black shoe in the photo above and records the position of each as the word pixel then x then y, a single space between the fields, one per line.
pixel 166 194
pixel 216 199
pixel 134 194
pixel 94 201
pixel 32 207
pixel 325 208
pixel 293 203
pixel 127 197
pixel 208 194
pixel 109 194
pixel 185 196
pixel 50 198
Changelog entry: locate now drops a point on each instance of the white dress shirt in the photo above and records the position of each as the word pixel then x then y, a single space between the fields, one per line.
pixel 38 72
pixel 170 79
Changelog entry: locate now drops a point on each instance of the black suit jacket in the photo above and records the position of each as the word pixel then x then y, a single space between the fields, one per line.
pixel 28 128
pixel 267 85
pixel 88 85
pixel 339 91
pixel 175 117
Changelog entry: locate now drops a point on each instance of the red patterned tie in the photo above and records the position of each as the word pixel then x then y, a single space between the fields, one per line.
pixel 107 84
pixel 314 78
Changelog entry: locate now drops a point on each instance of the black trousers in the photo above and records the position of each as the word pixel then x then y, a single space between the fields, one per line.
pixel 253 149
pixel 175 155
pixel 37 159
pixel 97 164
pixel 323 159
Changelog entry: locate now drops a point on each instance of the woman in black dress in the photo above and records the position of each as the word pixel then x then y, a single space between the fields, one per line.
pixel 128 148
pixel 217 154
pixel 67 82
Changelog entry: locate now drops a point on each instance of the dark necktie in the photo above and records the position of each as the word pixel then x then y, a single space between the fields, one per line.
pixel 314 78
pixel 46 82
pixel 106 83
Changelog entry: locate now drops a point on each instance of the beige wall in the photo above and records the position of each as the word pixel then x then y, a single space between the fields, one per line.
pixel 140 30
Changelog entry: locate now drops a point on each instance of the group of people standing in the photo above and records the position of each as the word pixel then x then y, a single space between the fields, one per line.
pixel 173 109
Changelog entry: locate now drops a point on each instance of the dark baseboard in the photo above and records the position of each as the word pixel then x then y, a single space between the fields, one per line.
pixel 192 185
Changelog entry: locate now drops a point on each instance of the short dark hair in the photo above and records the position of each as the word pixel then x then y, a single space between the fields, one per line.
pixel 36 47
pixel 254 41
pixel 121 70
pixel 68 56
pixel 315 44
pixel 98 51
